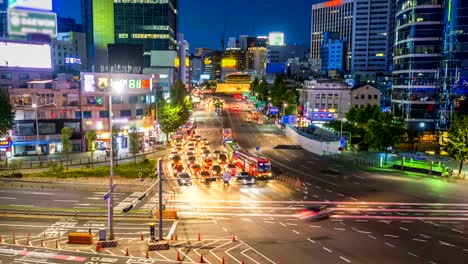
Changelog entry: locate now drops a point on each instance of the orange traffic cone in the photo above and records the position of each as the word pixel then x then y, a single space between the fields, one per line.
pixel 233 238
pixel 147 253
pixel 1 241
pixel 222 261
pixel 126 252
pixel 178 256
pixel 141 236
pixel 98 247
pixel 199 238
pixel 201 259
pixel 242 262
pixel 175 237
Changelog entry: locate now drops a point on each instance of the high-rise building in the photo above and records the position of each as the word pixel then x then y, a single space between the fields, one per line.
pixel 151 23
pixel 243 42
pixel 69 52
pixel 372 37
pixel 454 66
pixel 183 58
pixel 3 18
pixel 281 54
pixel 257 58
pixel 232 43
pixel 332 52
pixel 333 16
pixel 67 24
pixel 416 62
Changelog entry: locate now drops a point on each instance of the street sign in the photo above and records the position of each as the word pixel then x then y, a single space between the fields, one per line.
pixel 257 148
pixel 245 94
pixel 106 196
pixel 342 142
pixel 289 119
pixel 24 22
pixel 274 110
pixel 253 98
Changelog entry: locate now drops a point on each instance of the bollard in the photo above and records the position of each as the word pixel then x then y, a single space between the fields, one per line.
pixel 56 244
pixel 175 237
pixel 201 259
pixel 42 243
pixel 14 240
pixel 222 261
pixel 141 236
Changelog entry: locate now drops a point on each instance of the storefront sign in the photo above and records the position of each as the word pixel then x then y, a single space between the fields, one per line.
pixel 24 22
pixel 101 83
pixel 5 142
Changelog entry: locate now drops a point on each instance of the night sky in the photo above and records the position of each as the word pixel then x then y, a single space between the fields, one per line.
pixel 202 21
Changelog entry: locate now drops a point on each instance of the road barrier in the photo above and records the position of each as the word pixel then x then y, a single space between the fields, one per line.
pixel 106 244
pixel 167 214
pixel 160 245
pixel 80 238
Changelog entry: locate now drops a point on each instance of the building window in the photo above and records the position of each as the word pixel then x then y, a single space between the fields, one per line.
pixel 22 100
pixel 317 96
pixel 133 99
pixel 26 129
pixel 46 128
pixel 125 113
pixel 117 99
pixel 87 114
pixel 139 112
pixel 324 96
pixel 369 96
pixel 75 126
pixel 77 114
pixel 23 76
pixel 103 114
pixel 29 115
pixel 362 96
pixel 5 75
pixel 375 96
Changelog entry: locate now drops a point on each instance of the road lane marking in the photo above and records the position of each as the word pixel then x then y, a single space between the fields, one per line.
pixel 339 229
pixel 327 249
pixel 373 237
pixel 392 236
pixel 315 226
pixel 360 231
pixel 390 245
pixel 458 231
pixel 67 201
pixel 412 254
pixel 283 224
pixel 225 229
pixel 340 194
pixel 419 240
pixel 406 229
pixel 8 198
pixel 424 236
pixel 172 230
pixel 347 260
pixel 445 243
pixel 311 240
pixel 242 252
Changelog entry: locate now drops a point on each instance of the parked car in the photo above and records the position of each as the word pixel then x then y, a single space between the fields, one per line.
pixel 206 153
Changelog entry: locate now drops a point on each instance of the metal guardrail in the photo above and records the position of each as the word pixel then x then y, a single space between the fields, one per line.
pixel 354 160
pixel 75 213
pixel 318 134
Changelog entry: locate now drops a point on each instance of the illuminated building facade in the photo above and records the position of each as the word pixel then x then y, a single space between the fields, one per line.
pixel 69 52
pixel 416 62
pixel 153 24
pixel 333 16
pixel 257 58
pixel 3 18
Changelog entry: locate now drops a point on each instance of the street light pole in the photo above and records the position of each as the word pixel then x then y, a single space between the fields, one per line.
pixel 38 150
pixel 111 176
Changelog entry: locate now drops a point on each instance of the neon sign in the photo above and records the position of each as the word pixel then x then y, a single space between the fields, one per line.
pixel 5 142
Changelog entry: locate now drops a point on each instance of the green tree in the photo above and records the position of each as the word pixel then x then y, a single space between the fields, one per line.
pixel 458 139
pixel 7 114
pixel 135 142
pixel 115 143
pixel 66 142
pixel 91 137
pixel 254 86
pixel 278 91
pixel 263 88
pixel 169 118
pixel 384 132
pixel 178 93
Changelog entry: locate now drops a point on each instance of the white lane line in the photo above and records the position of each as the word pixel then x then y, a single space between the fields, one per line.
pixel 166 258
pixel 172 230
pixel 8 198
pixel 340 194
pixel 327 249
pixel 330 191
pixel 345 259
pixel 445 243
pixel 339 229
pixel 292 224
pixel 390 245
pixel 406 229
pixel 269 222
pixel 296 232
pixel 420 240
pixel 412 254
pixel 67 201
pixel 465 249
pixel 352 198
pixel 110 252
pixel 359 177
pixel 248 256
pixel 373 237
pixel 458 231
pixel 283 224
pixel 225 229
pixel 424 236
pixel 311 240
pixel 316 226
pixel 211 250
pixel 393 236
pixel 339 165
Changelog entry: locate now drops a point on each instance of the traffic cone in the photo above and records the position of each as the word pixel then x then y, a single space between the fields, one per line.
pixel 178 256
pixel 1 241
pixel 141 236
pixel 175 237
pixel 233 238
pixel 126 252
pixel 172 237
pixel 201 259
pixel 199 238
pixel 242 262
pixel 222 261
pixel 147 253
pixel 98 247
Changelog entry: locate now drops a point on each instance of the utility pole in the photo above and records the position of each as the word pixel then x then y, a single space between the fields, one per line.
pixel 160 168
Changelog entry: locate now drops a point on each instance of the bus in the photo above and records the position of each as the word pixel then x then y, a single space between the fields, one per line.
pixel 177 138
pixel 227 136
pixel 231 149
pixel 256 165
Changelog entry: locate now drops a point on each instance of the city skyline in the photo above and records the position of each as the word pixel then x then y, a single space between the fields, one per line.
pixel 208 31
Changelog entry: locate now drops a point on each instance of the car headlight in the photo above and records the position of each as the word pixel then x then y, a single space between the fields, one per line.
pixel 182 181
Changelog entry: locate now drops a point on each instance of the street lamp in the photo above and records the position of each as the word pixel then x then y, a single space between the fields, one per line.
pixel 117 87
pixel 284 108
pixel 38 147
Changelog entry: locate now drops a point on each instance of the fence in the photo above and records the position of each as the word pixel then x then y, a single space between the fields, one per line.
pixel 354 160
pixel 316 133
pixel 21 165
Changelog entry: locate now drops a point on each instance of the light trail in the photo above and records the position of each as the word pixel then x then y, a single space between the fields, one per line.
pixel 380 217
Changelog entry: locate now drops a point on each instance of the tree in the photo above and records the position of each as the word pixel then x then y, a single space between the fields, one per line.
pixel 254 86
pixel 384 132
pixel 91 137
pixel 263 87
pixel 458 139
pixel 278 91
pixel 66 142
pixel 178 93
pixel 135 142
pixel 169 118
pixel 7 114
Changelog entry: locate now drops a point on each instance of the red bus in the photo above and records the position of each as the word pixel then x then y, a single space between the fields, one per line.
pixel 256 165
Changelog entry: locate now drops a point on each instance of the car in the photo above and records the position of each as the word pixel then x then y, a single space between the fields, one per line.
pixel 245 178
pixel 191 149
pixel 205 141
pixel 203 148
pixel 195 168
pixel 178 168
pixel 175 159
pixel 206 153
pixel 216 170
pixel 179 146
pixel 173 153
pixel 207 162
pixel 198 138
pixel 314 213
pixel 222 158
pixel 193 140
pixel 232 168
pixel 184 179
pixel 189 153
pixel 206 177
pixel 190 145
pixel 216 153
pixel 191 159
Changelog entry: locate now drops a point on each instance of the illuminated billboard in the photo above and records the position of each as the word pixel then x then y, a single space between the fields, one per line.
pixel 22 55
pixel 102 82
pixel 24 22
pixel 228 63
pixel 31 4
pixel 276 39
